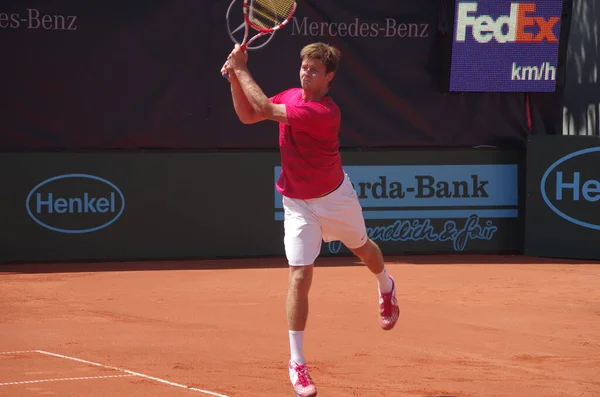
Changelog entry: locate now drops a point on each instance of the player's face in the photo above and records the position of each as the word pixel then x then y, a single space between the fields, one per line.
pixel 313 75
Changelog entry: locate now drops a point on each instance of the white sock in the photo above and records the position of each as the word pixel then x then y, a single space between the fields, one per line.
pixel 384 282
pixel 296 338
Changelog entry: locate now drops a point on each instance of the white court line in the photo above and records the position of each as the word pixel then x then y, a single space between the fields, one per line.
pixel 60 379
pixel 131 373
pixel 19 352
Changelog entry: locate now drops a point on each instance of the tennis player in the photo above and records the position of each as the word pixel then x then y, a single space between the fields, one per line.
pixel 319 201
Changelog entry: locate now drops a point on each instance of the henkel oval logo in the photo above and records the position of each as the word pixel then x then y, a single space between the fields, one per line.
pixel 75 203
pixel 571 187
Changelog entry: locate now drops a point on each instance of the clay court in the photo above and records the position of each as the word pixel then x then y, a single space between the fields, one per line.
pixel 470 326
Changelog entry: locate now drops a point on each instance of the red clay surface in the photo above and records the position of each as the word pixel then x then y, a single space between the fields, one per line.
pixel 469 326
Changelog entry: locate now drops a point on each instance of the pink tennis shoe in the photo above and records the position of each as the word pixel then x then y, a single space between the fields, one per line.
pixel 301 381
pixel 388 308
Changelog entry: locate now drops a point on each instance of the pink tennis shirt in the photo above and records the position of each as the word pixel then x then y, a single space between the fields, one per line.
pixel 309 146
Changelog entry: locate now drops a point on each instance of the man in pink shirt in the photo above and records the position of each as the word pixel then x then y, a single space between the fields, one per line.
pixel 319 201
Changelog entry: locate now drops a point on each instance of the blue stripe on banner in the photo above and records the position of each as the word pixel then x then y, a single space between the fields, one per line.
pixel 432 214
pixel 396 186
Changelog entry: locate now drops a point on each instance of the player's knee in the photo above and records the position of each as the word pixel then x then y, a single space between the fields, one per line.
pixel 367 251
pixel 301 278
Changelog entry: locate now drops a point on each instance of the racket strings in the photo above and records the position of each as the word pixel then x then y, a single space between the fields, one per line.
pixel 269 13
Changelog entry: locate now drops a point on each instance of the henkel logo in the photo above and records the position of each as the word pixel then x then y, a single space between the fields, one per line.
pixel 571 188
pixel 520 26
pixel 75 203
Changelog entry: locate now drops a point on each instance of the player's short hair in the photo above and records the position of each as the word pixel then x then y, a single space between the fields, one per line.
pixel 329 55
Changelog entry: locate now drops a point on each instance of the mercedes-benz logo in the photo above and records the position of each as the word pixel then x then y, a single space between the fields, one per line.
pixel 236 33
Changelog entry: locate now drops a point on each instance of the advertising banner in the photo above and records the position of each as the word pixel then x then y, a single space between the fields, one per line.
pixel 504 45
pixel 563 197
pixel 136 206
pixel 462 201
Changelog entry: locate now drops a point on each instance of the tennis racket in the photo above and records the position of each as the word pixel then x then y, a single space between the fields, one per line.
pixel 265 17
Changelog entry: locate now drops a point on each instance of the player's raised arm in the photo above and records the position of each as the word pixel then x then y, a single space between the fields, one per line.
pixel 242 106
pixel 264 17
pixel 261 107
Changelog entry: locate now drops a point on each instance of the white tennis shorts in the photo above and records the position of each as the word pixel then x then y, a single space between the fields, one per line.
pixel 335 217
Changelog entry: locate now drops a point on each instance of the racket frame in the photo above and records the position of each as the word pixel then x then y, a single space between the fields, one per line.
pixel 261 31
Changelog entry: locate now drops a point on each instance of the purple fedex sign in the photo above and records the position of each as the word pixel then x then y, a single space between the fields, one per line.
pixel 508 46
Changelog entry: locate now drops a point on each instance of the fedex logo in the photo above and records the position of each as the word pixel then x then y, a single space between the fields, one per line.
pixel 506 28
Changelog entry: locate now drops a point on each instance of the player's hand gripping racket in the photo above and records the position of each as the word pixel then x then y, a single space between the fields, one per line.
pixel 266 17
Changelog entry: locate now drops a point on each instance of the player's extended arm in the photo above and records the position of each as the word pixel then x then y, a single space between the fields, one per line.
pixel 262 107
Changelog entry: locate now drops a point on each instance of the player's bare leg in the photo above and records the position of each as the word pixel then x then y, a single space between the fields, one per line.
pixel 300 280
pixel 371 256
